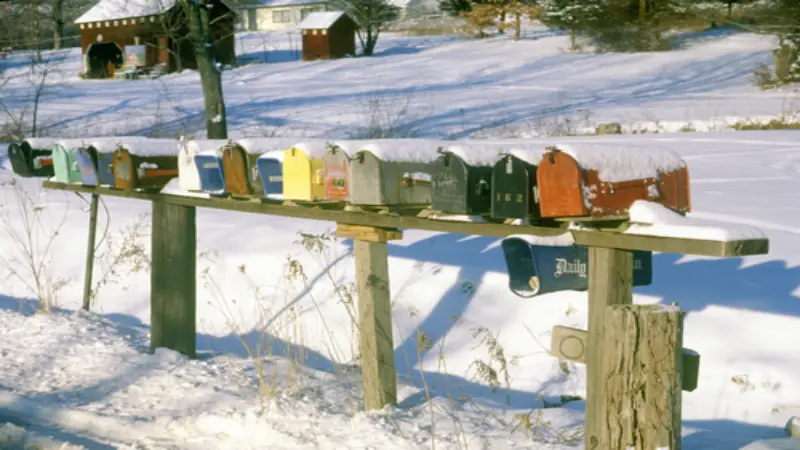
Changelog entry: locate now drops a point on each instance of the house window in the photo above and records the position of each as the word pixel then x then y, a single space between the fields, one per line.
pixel 281 16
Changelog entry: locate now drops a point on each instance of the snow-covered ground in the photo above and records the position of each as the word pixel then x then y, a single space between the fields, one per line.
pixel 428 86
pixel 276 366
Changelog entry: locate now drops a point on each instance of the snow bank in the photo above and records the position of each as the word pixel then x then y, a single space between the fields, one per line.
pixel 314 148
pixel 530 154
pixel 173 187
pixel 109 144
pixel 404 150
pixel 71 144
pixel 457 218
pixel 615 163
pixel 42 143
pixel 14 437
pixel 276 155
pixel 774 444
pixel 653 219
pixel 195 146
pixel 560 240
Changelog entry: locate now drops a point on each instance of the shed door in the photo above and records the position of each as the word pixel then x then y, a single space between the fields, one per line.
pixel 163 50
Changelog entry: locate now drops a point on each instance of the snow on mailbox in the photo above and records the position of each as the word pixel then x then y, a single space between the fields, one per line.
pixel 336 168
pixel 240 167
pixel 65 160
pixel 462 178
pixel 604 179
pixel 145 163
pixel 390 172
pixel 32 157
pixel 515 194
pixel 188 170
pixel 96 161
pixel 539 265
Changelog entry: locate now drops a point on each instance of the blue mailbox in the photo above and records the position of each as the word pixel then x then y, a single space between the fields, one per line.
pixel 209 170
pixel 540 269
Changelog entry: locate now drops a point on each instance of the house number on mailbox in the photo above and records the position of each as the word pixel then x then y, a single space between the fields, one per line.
pixel 507 197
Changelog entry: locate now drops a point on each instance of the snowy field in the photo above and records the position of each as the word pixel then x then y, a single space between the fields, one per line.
pixel 276 367
pixel 425 86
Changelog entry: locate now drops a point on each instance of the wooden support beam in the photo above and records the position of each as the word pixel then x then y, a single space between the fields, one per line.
pixel 376 344
pixel 173 306
pixel 570 344
pixel 586 237
pixel 642 377
pixel 87 279
pixel 610 283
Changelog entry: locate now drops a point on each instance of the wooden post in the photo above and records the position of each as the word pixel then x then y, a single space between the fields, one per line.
pixel 87 279
pixel 376 344
pixel 173 278
pixel 610 283
pixel 642 377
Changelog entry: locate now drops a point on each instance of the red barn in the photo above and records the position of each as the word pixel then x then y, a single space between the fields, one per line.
pixel 328 35
pixel 158 27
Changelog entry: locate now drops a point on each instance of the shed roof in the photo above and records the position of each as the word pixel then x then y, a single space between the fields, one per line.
pixel 320 20
pixel 277 3
pixel 126 9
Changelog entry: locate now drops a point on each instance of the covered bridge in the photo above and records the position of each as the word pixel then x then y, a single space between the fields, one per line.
pixel 158 27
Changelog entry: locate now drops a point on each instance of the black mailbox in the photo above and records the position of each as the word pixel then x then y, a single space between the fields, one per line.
pixel 514 191
pixel 540 269
pixel 459 187
pixel 29 159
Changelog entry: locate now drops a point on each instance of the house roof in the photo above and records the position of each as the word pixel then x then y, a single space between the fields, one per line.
pixel 320 20
pixel 277 3
pixel 126 9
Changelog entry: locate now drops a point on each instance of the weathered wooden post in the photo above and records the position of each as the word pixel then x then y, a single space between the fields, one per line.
pixel 173 306
pixel 376 344
pixel 87 279
pixel 610 283
pixel 642 377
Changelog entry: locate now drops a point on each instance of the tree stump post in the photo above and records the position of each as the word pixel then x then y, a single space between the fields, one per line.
pixel 610 283
pixel 376 344
pixel 173 275
pixel 642 377
pixel 87 279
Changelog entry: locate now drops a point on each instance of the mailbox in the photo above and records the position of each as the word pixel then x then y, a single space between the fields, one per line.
pixel 145 164
pixel 303 171
pixel 540 269
pixel 515 194
pixel 391 172
pixel 270 170
pixel 336 170
pixel 462 179
pixel 87 163
pixel 32 157
pixel 65 161
pixel 240 167
pixel 188 175
pixel 208 165
pixel 604 180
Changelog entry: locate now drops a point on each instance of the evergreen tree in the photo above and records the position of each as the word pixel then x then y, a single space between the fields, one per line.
pixel 455 8
pixel 575 16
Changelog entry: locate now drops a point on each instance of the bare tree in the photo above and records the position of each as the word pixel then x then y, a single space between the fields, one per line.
pixel 39 80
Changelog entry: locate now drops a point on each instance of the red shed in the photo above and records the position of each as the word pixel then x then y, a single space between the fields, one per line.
pixel 328 35
pixel 158 28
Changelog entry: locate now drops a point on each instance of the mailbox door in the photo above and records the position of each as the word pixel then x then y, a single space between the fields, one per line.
pixel 87 163
pixel 253 179
pixel 212 179
pixel 479 182
pixel 450 185
pixel 20 160
pixel 522 274
pixel 234 169
pixel 296 175
pixel 124 168
pixel 366 185
pixel 60 165
pixel 336 165
pixel 271 173
pixel 561 187
pixel 30 162
pixel 105 169
pixel 415 183
pixel 514 189
pixel 73 167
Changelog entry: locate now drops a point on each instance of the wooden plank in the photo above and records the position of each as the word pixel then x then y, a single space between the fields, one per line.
pixel 641 378
pixel 570 344
pixel 376 344
pixel 173 278
pixel 369 234
pixel 610 283
pixel 588 237
pixel 87 279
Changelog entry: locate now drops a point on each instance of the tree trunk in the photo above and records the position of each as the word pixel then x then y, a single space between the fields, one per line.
pixel 642 10
pixel 502 25
pixel 730 8
pixel 58 24
pixel 517 26
pixel 210 73
pixel 572 40
pixel 372 40
pixel 36 28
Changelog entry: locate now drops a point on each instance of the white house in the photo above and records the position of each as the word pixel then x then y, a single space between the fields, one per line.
pixel 269 15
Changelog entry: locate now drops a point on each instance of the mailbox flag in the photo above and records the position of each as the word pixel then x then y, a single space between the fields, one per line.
pixel 540 269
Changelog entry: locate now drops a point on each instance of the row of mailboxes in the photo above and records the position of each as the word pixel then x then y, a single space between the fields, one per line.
pixel 540 269
pixel 505 181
